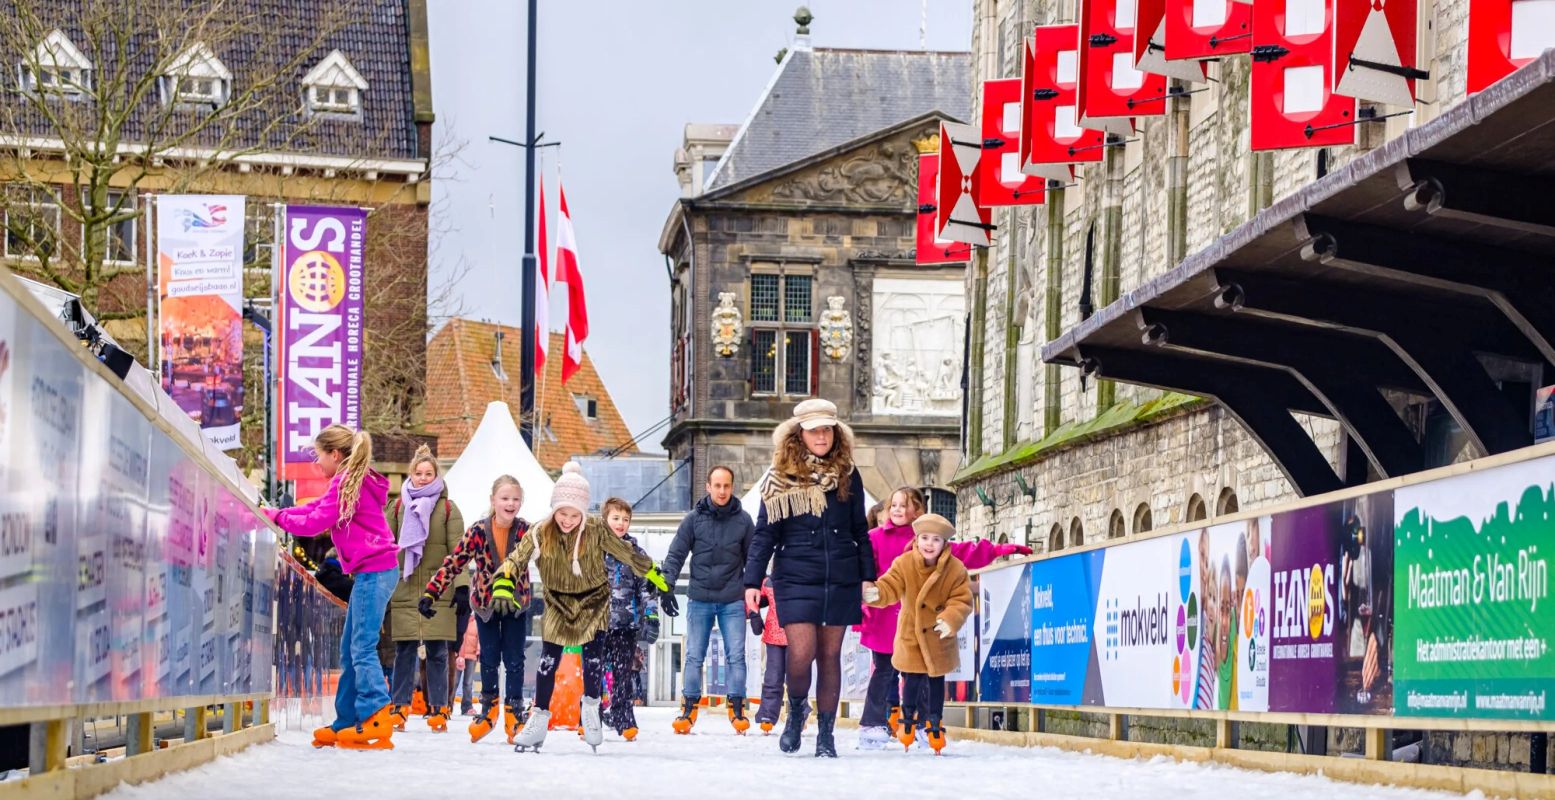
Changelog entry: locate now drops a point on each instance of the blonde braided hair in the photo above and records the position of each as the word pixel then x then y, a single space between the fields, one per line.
pixel 357 446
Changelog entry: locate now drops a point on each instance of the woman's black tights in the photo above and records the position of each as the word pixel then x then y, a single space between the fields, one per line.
pixel 550 659
pixel 820 645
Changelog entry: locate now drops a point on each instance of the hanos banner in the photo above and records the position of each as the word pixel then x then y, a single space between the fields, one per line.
pixel 200 314
pixel 319 363
pixel 1473 629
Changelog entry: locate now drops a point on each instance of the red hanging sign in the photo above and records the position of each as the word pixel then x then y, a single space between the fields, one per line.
pixel 1197 29
pixel 1051 137
pixel 1111 87
pixel 930 248
pixel 1374 50
pixel 1151 44
pixel 999 168
pixel 958 215
pixel 1504 35
pixel 1291 95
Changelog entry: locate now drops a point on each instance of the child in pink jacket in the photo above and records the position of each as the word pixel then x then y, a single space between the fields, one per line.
pixel 878 631
pixel 776 676
pixel 465 664
pixel 351 513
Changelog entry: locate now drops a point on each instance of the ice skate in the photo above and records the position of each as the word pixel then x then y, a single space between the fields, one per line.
pixel 688 715
pixel 630 734
pixel 737 715
pixel 398 714
pixel 324 737
pixel 483 724
pixel 894 721
pixel 935 733
pixel 593 732
pixel 438 720
pixel 874 737
pixel 766 727
pixel 374 734
pixel 532 735
pixel 906 731
pixel 512 720
pixel 418 704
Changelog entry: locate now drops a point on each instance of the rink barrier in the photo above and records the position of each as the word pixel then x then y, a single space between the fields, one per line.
pixel 138 576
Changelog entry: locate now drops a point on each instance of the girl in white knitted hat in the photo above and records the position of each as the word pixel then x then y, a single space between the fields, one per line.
pixel 569 550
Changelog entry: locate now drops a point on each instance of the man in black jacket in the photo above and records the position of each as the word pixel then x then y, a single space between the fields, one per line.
pixel 716 535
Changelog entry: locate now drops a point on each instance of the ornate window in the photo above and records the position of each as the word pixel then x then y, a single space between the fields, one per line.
pixel 56 68
pixel 784 344
pixel 334 87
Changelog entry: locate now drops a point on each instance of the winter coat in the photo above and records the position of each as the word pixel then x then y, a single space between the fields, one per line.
pixel 469 647
pixel 632 597
pixel 927 594
pixel 577 606
pixel 878 633
pixel 718 538
pixel 818 562
pixel 445 527
pixel 479 545
pixel 771 631
pixel 364 542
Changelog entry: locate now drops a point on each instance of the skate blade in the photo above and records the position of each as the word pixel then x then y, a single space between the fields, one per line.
pixel 476 734
pixel 372 744
pixel 525 748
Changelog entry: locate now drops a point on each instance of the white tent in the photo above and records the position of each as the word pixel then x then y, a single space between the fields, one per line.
pixel 497 448
pixel 750 502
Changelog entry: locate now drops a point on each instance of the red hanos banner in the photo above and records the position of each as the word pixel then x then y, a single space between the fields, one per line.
pixel 1504 35
pixel 1051 137
pixel 958 215
pixel 930 248
pixel 999 169
pixel 1198 29
pixel 1111 89
pixel 1374 50
pixel 1151 44
pixel 1292 100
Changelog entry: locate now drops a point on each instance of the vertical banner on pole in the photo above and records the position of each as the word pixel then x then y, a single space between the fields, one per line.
pixel 200 287
pixel 319 364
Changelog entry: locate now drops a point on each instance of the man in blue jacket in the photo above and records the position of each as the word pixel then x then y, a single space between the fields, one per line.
pixel 716 534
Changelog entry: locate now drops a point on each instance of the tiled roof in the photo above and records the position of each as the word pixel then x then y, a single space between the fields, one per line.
pixel 820 99
pixel 375 37
pixel 461 382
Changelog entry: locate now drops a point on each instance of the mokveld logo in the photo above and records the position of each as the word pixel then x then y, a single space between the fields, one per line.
pixel 1145 624
pixel 204 217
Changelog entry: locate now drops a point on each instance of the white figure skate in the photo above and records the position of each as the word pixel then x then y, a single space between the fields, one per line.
pixel 593 733
pixel 532 735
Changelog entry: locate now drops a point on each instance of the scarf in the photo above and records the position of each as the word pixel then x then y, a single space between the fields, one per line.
pixel 791 495
pixel 413 532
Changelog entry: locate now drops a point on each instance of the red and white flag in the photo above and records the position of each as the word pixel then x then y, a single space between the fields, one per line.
pixel 542 291
pixel 567 272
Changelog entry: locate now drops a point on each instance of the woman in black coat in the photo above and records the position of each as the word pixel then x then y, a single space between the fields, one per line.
pixel 812 526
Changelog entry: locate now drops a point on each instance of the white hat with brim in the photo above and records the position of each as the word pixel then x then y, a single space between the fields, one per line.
pixel 809 415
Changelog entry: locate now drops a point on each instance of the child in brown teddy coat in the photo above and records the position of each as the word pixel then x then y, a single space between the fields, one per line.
pixel 936 596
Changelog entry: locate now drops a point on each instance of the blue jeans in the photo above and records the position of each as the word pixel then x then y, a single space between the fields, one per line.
pixel 362 689
pixel 700 617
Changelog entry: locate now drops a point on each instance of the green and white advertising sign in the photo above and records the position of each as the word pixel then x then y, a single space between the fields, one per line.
pixel 1475 630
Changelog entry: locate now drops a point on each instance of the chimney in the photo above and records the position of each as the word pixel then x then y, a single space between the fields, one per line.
pixel 803 18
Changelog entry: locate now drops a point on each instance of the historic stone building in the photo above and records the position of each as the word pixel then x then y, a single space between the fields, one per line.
pixel 792 271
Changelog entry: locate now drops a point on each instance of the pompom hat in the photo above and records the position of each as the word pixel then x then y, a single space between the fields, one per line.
pixel 572 489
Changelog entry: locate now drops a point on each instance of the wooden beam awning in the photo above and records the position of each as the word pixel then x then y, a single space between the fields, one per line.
pixel 1426 266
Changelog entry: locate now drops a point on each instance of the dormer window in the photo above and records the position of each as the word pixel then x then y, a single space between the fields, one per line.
pixel 57 68
pixel 334 87
pixel 197 78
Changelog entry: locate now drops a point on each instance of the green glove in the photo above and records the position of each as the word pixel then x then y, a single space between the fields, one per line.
pixel 502 601
pixel 657 580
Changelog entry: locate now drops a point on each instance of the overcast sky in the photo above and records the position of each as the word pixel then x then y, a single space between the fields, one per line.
pixel 618 81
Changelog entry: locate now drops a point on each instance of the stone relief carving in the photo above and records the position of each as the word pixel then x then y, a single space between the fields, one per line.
pixel 886 173
pixel 918 332
pixel 728 326
pixel 836 329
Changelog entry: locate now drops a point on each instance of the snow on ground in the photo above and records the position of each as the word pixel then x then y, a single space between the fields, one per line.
pixel 712 763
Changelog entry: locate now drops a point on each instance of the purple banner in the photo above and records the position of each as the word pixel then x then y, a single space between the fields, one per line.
pixel 1332 590
pixel 320 354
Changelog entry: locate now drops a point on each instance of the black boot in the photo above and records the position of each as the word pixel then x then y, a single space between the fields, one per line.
pixel 789 741
pixel 824 743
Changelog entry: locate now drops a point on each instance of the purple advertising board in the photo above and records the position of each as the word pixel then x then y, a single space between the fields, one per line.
pixel 321 326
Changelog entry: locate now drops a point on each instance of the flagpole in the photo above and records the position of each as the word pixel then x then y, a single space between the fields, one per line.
pixel 527 325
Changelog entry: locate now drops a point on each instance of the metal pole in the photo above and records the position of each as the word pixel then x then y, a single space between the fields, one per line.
pixel 272 387
pixel 527 325
pixel 151 288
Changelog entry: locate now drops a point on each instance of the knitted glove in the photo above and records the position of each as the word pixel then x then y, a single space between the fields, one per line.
pixel 424 607
pixel 1011 549
pixel 944 629
pixel 871 594
pixel 502 600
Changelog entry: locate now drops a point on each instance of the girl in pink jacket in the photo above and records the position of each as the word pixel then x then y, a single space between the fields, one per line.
pixel 878 631
pixel 351 513
pixel 467 662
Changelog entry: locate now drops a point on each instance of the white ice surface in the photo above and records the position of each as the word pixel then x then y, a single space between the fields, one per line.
pixel 713 763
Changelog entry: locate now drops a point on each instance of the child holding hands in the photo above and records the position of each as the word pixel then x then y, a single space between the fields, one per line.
pixel 936 596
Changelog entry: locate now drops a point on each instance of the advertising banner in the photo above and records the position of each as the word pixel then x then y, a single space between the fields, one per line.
pixel 320 357
pixel 1063 611
pixel 1004 635
pixel 1332 610
pixel 1471 585
pixel 1146 629
pixel 200 280
pixel 1231 577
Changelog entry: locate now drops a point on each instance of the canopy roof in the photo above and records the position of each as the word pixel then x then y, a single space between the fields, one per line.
pixel 497 449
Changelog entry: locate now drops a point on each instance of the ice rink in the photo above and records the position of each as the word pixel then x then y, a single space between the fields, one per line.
pixel 712 763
